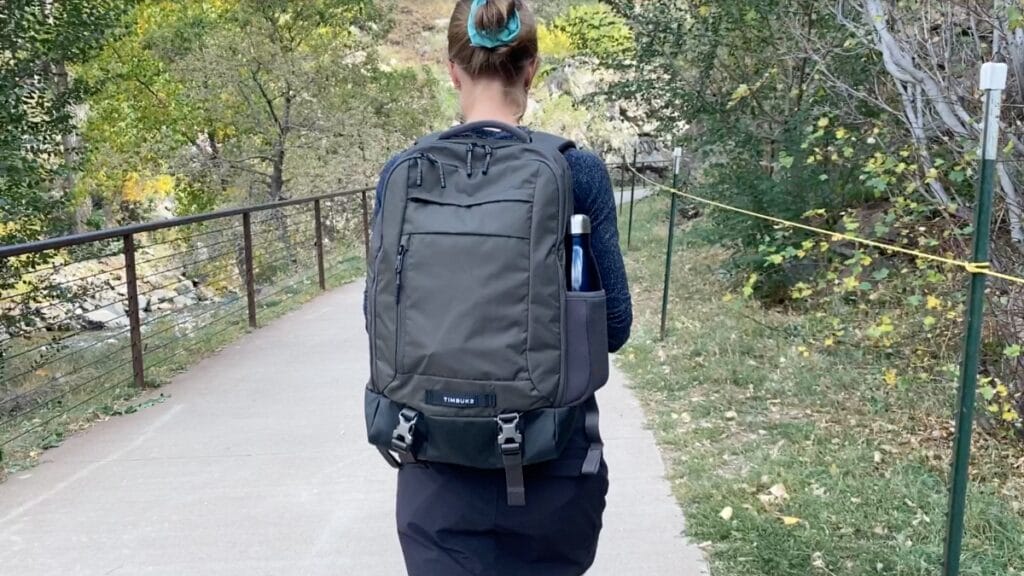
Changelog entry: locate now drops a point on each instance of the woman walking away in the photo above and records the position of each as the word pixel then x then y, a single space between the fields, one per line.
pixel 485 353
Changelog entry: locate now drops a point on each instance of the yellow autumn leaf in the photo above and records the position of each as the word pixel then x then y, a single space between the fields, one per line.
pixel 933 303
pixel 1002 390
pixel 726 513
pixel 823 122
pixel 841 133
pixel 1010 415
pixel 741 92
pixel 790 520
pixel 890 377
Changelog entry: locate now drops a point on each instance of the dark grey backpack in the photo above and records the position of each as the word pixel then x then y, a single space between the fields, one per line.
pixel 479 355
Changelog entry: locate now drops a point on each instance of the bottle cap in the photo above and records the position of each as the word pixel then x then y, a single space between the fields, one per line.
pixel 580 224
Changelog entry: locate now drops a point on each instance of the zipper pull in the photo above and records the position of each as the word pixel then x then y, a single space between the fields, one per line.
pixel 487 159
pixel 401 258
pixel 398 271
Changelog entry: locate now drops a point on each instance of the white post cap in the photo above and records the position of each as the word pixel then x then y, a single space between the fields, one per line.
pixel 678 152
pixel 993 76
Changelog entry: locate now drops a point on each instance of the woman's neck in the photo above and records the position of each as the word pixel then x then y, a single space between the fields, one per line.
pixel 487 101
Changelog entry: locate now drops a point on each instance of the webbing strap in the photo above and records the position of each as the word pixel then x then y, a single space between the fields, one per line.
pixel 592 464
pixel 389 458
pixel 396 463
pixel 510 441
pixel 515 485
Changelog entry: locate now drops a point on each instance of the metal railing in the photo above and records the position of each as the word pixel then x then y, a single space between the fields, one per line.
pixel 98 316
pixel 624 173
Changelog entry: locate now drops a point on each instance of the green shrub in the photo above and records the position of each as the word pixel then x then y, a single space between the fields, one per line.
pixel 595 30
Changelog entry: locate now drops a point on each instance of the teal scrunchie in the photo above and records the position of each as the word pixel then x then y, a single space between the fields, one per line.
pixel 502 37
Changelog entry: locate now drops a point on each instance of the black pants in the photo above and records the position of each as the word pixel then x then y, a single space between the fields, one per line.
pixel 455 521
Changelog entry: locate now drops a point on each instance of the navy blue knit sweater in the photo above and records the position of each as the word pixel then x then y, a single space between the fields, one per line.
pixel 592 195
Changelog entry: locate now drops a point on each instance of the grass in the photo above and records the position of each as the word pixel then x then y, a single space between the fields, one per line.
pixel 790 460
pixel 104 389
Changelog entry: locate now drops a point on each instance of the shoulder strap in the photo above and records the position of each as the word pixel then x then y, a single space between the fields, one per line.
pixel 552 143
pixel 428 139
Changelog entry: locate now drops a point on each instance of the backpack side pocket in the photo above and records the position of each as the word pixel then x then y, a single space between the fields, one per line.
pixel 586 345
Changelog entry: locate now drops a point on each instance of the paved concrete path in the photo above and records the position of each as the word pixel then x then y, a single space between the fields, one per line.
pixel 257 465
pixel 622 195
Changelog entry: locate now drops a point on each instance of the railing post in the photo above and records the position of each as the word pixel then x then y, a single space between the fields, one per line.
pixel 134 314
pixel 319 244
pixel 250 274
pixel 993 82
pixel 678 153
pixel 366 228
pixel 622 183
pixel 632 200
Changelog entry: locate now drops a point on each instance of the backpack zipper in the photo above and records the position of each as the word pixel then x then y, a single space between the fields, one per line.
pixel 399 263
pixel 378 229
pixel 403 250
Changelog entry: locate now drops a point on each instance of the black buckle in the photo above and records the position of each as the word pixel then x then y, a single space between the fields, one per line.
pixel 402 437
pixel 509 439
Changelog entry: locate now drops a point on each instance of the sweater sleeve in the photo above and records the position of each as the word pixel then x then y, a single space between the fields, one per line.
pixel 593 195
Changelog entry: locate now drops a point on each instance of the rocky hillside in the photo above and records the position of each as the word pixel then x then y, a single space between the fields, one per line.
pixel 563 98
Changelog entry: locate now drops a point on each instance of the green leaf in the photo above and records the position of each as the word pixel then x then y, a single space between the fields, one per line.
pixel 1012 352
pixel 881 274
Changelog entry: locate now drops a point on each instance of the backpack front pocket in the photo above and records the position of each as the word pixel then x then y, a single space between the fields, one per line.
pixel 463 307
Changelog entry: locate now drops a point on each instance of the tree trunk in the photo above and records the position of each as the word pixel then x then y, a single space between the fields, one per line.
pixel 277 177
pixel 70 146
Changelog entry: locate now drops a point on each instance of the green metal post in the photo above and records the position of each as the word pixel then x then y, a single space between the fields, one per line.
pixel 622 184
pixel 632 200
pixel 671 240
pixel 993 82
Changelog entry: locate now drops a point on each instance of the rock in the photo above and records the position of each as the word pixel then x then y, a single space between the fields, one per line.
pixel 182 301
pixel 184 287
pixel 110 316
pixel 205 294
pixel 162 295
pixel 143 303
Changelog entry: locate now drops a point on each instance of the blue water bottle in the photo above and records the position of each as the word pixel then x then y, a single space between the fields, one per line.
pixel 583 274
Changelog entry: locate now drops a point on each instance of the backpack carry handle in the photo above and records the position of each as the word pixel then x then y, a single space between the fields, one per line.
pixel 461 129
